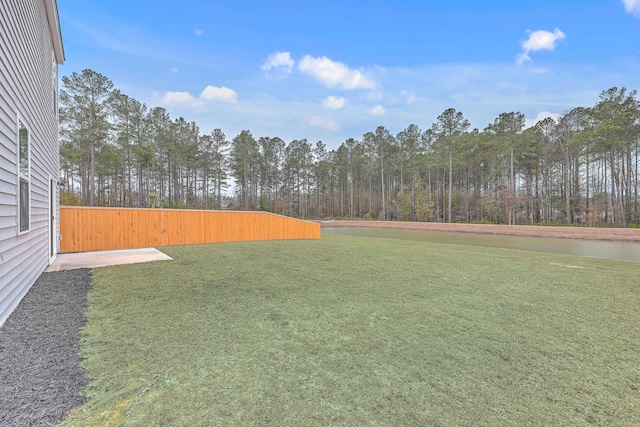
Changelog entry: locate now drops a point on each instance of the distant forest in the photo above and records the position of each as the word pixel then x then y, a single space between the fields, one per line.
pixel 579 169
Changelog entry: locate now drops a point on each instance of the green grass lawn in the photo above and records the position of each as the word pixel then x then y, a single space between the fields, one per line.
pixel 363 331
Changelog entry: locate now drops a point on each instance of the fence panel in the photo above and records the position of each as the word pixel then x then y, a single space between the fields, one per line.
pixel 96 228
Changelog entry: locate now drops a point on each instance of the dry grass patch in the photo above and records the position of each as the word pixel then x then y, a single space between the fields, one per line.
pixel 357 331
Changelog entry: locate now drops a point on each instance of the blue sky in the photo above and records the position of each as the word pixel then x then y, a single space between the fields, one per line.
pixel 332 70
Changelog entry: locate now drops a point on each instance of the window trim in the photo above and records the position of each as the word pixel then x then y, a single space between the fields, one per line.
pixel 54 82
pixel 21 177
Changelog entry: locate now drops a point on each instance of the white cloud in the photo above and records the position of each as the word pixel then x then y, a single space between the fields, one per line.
pixel 210 93
pixel 174 70
pixel 373 96
pixel 334 102
pixel 542 40
pixel 541 116
pixel 198 32
pixel 279 61
pixel 408 96
pixel 323 122
pixel 378 110
pixel 481 91
pixel 539 40
pixel 335 74
pixel 182 99
pixel 521 58
pixel 632 6
pixel 224 94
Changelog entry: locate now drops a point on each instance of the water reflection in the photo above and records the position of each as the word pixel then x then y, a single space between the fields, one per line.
pixel 627 251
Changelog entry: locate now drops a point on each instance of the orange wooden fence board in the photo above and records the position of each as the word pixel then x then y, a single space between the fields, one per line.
pixel 95 228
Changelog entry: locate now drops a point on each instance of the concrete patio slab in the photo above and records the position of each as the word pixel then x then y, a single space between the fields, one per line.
pixel 106 258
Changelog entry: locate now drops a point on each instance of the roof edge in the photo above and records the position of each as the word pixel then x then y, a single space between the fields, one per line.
pixel 54 28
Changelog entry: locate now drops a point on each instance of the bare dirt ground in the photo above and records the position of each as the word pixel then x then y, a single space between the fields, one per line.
pixel 589 233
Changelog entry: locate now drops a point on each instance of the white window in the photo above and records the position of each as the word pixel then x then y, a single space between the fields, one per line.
pixel 54 82
pixel 24 176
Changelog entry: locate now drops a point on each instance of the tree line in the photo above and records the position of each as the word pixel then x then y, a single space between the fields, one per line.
pixel 579 169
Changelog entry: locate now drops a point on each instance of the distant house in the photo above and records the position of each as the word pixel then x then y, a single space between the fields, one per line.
pixel 30 51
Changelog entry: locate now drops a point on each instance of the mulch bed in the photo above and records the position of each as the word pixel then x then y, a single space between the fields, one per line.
pixel 588 233
pixel 41 380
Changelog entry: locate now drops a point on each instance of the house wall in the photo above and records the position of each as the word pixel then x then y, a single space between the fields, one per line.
pixel 96 228
pixel 30 50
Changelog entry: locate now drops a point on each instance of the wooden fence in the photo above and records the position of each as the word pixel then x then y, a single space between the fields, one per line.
pixel 94 228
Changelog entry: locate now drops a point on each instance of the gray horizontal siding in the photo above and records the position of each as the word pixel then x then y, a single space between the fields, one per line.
pixel 25 272
pixel 26 94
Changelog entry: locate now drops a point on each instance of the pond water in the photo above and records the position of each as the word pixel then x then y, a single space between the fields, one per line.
pixel 626 251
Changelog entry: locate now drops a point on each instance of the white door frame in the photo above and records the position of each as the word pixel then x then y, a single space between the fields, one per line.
pixel 52 240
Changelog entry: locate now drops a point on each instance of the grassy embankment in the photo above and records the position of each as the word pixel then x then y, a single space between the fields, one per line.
pixel 356 331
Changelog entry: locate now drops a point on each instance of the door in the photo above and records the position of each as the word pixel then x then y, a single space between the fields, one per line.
pixel 53 190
